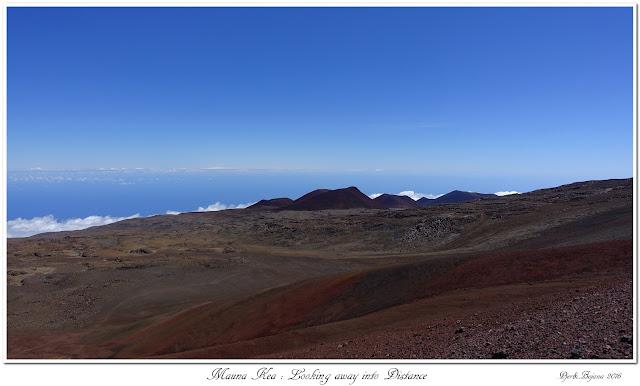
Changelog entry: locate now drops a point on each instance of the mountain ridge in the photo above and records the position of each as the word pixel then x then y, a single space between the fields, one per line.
pixel 393 201
pixel 454 197
pixel 323 199
pixel 353 198
pixel 272 203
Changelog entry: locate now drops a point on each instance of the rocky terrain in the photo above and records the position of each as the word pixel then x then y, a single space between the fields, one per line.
pixel 551 326
pixel 546 274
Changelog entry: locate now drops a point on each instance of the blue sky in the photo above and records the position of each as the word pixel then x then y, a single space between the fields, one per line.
pixel 430 91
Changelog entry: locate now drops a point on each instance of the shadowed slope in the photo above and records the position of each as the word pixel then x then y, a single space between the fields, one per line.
pixel 392 201
pixel 273 203
pixel 324 301
pixel 322 199
pixel 453 198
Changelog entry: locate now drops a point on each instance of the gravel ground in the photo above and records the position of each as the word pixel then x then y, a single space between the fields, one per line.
pixel 593 323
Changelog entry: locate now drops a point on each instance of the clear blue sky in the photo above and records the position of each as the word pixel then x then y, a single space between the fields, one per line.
pixel 447 91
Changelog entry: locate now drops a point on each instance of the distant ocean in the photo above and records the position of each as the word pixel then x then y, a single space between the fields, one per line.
pixel 41 201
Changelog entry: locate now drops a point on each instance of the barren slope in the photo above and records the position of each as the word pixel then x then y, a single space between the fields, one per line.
pixel 249 283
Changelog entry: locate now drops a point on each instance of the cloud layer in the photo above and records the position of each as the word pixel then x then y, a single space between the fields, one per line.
pixel 218 206
pixel 417 196
pixel 506 193
pixel 23 227
pixel 408 193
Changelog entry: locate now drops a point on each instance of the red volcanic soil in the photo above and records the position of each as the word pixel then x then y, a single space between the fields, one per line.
pixel 364 303
pixel 273 203
pixel 423 301
pixel 312 194
pixel 573 302
pixel 392 201
pixel 321 199
pixel 597 259
pixel 553 320
pixel 262 314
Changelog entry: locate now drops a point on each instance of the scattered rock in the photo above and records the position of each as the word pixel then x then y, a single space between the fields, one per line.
pixel 141 251
pixel 575 353
pixel 499 355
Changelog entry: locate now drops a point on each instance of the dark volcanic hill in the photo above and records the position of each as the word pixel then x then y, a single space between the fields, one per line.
pixel 274 203
pixel 346 198
pixel 393 201
pixel 312 194
pixel 453 198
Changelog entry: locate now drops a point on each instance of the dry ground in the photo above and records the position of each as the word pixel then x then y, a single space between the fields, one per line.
pixel 540 275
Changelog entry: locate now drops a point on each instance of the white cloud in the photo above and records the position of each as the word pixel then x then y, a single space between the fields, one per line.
pixel 218 206
pixel 213 208
pixel 23 227
pixel 417 196
pixel 506 193
pixel 408 193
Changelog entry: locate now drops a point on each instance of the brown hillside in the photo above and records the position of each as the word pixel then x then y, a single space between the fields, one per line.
pixel 346 198
pixel 392 201
pixel 273 203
